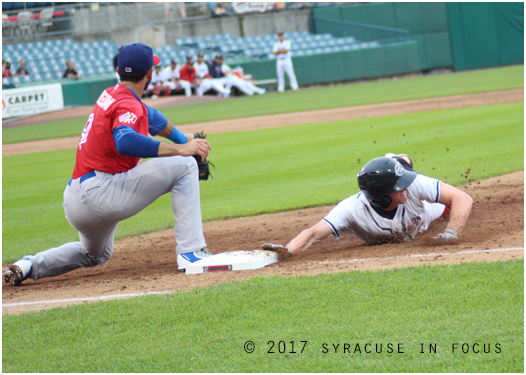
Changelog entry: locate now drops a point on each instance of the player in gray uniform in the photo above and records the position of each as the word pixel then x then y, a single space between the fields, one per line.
pixel 395 204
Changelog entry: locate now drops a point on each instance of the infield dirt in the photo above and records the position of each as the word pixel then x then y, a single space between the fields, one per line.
pixel 147 263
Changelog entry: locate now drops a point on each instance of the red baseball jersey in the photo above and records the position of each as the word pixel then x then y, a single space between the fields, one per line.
pixel 96 150
pixel 187 75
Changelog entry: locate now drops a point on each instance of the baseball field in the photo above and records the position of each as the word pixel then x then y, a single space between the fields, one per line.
pixel 282 161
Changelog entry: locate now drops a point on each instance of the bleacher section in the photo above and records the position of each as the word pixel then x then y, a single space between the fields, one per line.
pixel 46 60
pixel 260 47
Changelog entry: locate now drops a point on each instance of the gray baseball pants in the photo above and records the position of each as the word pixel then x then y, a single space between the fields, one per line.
pixel 95 206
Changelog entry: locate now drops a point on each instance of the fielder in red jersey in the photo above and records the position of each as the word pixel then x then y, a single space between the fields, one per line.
pixel 109 184
pixel 116 106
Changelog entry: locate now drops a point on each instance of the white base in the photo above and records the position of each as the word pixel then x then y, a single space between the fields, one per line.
pixel 233 261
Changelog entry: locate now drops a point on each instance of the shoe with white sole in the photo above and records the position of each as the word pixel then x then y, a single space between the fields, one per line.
pixel 18 272
pixel 185 259
pixel 401 158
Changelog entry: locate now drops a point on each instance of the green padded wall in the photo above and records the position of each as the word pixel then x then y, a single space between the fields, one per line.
pixel 427 23
pixel 486 34
pixel 85 91
pixel 510 33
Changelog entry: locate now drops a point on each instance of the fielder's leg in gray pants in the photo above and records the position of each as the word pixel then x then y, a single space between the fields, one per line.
pixel 95 207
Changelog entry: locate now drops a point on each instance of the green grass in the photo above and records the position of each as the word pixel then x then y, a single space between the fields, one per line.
pixel 303 100
pixel 276 169
pixel 205 330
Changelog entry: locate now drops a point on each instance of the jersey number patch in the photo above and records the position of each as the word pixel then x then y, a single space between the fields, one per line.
pixel 84 135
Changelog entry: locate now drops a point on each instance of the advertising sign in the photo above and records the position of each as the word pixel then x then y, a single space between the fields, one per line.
pixel 28 101
pixel 250 7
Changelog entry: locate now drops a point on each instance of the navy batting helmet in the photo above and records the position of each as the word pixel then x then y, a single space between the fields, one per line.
pixel 381 177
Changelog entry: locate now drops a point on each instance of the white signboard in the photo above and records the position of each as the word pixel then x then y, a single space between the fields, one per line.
pixel 32 100
pixel 252 7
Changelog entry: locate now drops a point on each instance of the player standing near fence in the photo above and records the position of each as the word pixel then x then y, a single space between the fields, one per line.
pixel 284 63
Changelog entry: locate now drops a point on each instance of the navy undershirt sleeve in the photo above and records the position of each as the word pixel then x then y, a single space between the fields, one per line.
pixel 130 143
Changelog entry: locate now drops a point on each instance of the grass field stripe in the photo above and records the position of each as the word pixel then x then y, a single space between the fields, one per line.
pixel 129 295
pixel 100 298
pixel 418 255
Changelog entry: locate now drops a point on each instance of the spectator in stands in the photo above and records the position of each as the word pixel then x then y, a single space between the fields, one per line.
pixel 189 74
pixel 207 82
pixel 217 8
pixel 157 83
pixel 22 70
pixel 172 78
pixel 70 71
pixel 6 73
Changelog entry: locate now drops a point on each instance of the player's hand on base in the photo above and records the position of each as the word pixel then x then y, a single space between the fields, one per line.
pixel 449 234
pixel 281 250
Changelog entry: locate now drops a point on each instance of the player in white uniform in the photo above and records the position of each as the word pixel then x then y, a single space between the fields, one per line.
pixel 207 82
pixel 394 204
pixel 157 83
pixel 172 79
pixel 231 79
pixel 284 63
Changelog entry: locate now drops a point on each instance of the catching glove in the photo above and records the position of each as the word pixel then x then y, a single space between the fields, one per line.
pixel 204 166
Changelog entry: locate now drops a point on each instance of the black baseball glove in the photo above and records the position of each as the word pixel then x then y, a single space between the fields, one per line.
pixel 204 166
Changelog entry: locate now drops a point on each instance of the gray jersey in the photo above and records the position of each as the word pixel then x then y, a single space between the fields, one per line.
pixel 355 215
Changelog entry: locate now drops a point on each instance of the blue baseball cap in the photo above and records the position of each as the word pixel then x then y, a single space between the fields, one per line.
pixel 136 58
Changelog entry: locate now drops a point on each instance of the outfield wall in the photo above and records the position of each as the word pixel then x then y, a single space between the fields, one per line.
pixel 448 35
pixel 486 35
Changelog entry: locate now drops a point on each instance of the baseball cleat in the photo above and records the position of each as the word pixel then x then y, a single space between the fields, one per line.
pixel 188 258
pixel 18 272
pixel 401 158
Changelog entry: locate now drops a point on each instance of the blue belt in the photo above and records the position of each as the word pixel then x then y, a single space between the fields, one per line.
pixel 84 178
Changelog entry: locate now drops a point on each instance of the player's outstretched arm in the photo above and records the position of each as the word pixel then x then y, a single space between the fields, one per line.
pixel 460 203
pixel 309 237
pixel 194 147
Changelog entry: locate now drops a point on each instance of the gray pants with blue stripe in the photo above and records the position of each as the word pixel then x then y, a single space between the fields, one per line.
pixel 95 206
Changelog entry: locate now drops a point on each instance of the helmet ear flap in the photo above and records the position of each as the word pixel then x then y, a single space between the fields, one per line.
pixel 381 202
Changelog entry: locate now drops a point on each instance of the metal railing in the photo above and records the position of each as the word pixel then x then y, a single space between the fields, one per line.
pixel 361 32
pixel 97 18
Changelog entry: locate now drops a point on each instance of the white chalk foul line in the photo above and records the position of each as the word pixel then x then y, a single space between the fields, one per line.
pixel 129 295
pixel 81 299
